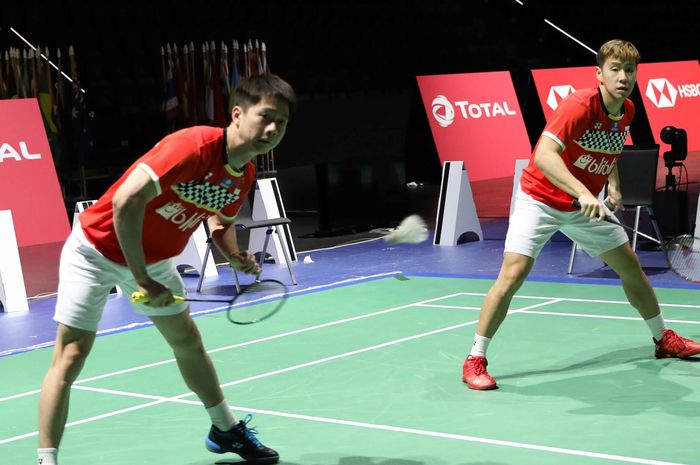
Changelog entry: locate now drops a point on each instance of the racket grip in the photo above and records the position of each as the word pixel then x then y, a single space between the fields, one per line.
pixel 141 298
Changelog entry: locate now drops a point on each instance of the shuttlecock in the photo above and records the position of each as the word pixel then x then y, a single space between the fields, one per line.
pixel 412 230
pixel 308 259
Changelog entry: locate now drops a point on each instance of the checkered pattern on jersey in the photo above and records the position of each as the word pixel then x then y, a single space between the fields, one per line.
pixel 603 141
pixel 206 195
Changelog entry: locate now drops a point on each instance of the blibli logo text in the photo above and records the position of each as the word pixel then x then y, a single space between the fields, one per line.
pixel 590 164
pixel 177 213
pixel 8 151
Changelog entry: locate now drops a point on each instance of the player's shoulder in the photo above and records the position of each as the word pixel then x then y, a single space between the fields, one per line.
pixel 587 96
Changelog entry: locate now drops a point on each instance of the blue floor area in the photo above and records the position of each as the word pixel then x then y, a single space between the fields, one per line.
pixel 351 263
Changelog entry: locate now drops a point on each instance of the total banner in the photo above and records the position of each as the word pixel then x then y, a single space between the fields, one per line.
pixel 476 118
pixel 671 95
pixel 28 183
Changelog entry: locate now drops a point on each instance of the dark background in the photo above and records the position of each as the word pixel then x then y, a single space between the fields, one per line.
pixel 360 132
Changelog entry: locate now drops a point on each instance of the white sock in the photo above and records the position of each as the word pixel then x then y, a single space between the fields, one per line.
pixel 480 345
pixel 656 326
pixel 221 416
pixel 47 456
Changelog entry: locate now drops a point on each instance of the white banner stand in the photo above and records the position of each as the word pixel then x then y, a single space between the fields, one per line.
pixel 520 164
pixel 193 253
pixel 457 221
pixel 267 205
pixel 80 207
pixel 13 294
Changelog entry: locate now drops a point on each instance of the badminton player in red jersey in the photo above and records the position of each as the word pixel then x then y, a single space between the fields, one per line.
pixel 128 236
pixel 574 158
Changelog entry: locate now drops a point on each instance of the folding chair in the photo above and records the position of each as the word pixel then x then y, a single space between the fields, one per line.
pixel 636 168
pixel 273 226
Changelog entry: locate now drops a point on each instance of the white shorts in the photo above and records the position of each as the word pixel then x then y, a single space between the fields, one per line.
pixel 533 223
pixel 86 277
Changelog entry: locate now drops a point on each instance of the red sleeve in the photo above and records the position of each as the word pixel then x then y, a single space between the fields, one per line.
pixel 568 122
pixel 174 159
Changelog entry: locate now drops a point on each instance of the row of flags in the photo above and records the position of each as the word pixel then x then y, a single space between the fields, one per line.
pixel 198 81
pixel 33 73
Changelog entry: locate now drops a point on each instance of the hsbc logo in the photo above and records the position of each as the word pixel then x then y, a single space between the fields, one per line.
pixel 8 151
pixel 663 94
pixel 557 94
pixel 444 111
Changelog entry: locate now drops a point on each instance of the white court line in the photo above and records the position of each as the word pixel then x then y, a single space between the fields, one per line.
pixel 571 299
pixel 160 399
pixel 241 344
pixel 459 307
pixel 608 317
pixel 578 315
pixel 395 429
pixel 211 310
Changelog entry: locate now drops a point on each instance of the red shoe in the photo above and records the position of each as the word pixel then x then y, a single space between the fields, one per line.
pixel 475 375
pixel 673 345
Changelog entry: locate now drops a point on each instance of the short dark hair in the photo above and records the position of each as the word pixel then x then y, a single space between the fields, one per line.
pixel 252 89
pixel 618 48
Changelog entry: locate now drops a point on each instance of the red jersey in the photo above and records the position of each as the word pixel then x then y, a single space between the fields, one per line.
pixel 592 140
pixel 193 180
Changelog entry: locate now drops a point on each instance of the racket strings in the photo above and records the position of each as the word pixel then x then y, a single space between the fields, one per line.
pixel 257 302
pixel 683 255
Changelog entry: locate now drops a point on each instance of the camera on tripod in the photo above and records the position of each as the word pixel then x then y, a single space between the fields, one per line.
pixel 678 139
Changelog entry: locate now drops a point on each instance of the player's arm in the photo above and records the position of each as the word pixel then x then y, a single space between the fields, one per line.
pixel 224 236
pixel 129 205
pixel 548 160
pixel 614 198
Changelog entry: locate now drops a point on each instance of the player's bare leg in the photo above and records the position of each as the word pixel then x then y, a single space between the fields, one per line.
pixel 494 309
pixel 70 351
pixel 642 297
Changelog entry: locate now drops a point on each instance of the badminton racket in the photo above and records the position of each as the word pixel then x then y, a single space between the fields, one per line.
pixel 254 302
pixel 682 252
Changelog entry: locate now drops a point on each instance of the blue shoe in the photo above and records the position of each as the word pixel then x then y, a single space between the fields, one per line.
pixel 240 440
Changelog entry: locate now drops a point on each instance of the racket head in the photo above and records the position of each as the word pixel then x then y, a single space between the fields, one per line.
pixel 257 301
pixel 683 257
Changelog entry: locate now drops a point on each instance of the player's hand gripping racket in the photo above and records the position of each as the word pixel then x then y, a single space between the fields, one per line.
pixel 682 252
pixel 255 302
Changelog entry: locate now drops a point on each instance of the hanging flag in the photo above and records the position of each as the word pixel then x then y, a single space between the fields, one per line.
pixel 46 104
pixel 194 102
pixel 224 78
pixel 24 75
pixel 259 68
pixel 208 88
pixel 214 93
pixel 235 73
pixel 263 59
pixel 79 120
pixel 171 106
pixel 182 83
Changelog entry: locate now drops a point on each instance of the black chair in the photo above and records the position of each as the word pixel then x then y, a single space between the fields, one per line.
pixel 637 168
pixel 273 226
